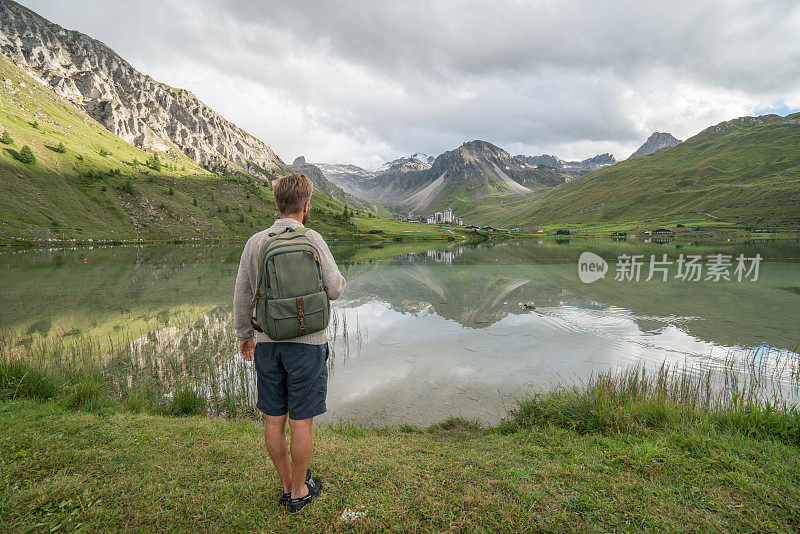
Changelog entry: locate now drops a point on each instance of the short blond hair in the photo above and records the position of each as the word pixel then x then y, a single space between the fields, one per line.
pixel 291 192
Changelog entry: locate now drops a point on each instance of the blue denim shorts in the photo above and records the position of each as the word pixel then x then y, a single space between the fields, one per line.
pixel 291 377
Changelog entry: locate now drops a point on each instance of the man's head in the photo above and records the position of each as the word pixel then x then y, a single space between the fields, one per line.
pixel 293 196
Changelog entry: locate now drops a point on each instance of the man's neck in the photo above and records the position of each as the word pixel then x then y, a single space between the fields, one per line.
pixel 295 216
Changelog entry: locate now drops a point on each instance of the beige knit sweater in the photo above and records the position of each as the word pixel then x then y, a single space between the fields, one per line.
pixel 247 278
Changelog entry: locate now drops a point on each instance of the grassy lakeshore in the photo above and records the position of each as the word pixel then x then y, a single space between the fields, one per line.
pixel 632 451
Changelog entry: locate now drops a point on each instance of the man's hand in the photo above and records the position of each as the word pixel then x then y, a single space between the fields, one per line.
pixel 247 349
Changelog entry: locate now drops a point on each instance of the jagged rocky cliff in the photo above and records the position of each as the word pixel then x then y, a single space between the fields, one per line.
pixel 135 107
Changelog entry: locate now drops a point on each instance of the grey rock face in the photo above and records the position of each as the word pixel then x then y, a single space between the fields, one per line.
pixel 138 109
pixel 299 160
pixel 656 141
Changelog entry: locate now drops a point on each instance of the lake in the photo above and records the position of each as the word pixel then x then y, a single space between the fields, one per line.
pixel 422 331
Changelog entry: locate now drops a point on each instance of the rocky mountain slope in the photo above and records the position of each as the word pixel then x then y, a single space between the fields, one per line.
pixel 88 184
pixel 143 112
pixel 656 141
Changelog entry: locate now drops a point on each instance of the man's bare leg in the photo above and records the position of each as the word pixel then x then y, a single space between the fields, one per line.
pixel 275 440
pixel 301 452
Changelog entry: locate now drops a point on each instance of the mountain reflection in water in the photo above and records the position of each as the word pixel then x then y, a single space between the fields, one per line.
pixel 421 334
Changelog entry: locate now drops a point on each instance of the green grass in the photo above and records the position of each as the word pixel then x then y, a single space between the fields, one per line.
pixel 412 231
pixel 97 443
pixel 82 470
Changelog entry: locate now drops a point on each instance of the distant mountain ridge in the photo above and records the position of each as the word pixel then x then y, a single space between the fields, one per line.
pixel 744 171
pixel 657 141
pixel 590 164
pixel 143 112
pixel 419 156
pixel 321 183
pixel 475 170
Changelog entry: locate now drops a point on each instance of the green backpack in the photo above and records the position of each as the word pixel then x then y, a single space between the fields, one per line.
pixel 290 299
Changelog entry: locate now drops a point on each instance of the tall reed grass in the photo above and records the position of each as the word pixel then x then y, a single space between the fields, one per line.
pixel 183 367
pixel 192 369
pixel 756 395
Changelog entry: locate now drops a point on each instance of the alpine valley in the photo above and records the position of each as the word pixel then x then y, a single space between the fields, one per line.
pixel 118 155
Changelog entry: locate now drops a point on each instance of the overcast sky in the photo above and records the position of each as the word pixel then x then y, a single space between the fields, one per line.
pixel 367 81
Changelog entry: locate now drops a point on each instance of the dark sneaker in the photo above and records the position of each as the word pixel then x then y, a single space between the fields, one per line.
pixel 314 489
pixel 286 496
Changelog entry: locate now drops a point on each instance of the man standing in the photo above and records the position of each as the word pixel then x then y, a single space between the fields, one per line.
pixel 291 375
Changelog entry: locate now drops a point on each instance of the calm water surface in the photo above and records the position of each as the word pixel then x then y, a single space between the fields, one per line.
pixel 423 333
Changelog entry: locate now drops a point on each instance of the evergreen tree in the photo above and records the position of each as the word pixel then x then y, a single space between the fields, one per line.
pixel 6 139
pixel 26 155
pixel 104 152
pixel 194 201
pixel 171 191
pixel 61 148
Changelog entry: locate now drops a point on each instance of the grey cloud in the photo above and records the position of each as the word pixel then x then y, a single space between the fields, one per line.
pixel 428 75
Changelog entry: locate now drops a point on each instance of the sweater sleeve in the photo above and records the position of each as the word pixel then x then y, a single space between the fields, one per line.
pixel 243 296
pixel 331 276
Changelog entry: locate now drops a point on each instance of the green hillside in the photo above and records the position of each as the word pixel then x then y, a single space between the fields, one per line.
pixel 744 172
pixel 102 188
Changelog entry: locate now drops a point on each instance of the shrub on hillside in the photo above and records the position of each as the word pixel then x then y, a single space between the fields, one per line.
pixel 154 162
pixel 128 187
pixel 61 148
pixel 26 155
pixel 104 152
pixel 6 138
